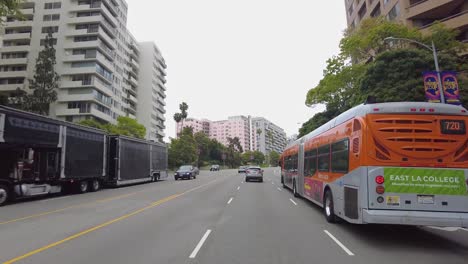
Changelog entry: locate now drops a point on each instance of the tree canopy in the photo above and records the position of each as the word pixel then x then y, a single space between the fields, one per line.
pixel 125 126
pixel 10 8
pixel 368 64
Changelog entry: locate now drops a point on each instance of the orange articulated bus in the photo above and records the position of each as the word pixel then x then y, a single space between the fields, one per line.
pixel 389 163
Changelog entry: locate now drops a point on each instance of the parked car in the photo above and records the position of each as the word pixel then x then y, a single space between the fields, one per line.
pixel 186 172
pixel 214 168
pixel 254 173
pixel 242 169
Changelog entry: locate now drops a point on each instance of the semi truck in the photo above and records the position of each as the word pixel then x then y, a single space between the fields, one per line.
pixel 41 155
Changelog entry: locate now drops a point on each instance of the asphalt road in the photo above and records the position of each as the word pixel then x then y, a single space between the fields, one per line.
pixel 216 218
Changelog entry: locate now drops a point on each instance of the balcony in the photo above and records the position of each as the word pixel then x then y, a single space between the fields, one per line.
pixel 16 36
pixel 107 39
pixel 133 81
pixel 15 61
pixel 85 20
pixel 13 74
pixel 111 8
pixel 105 49
pixel 27 11
pixel 93 7
pixel 74 84
pixel 101 115
pixel 11 87
pixel 27 23
pixel 104 61
pixel 456 21
pixel 75 97
pixel 82 44
pixel 428 8
pixel 131 108
pixel 131 116
pixel 134 64
pixel 79 70
pixel 132 99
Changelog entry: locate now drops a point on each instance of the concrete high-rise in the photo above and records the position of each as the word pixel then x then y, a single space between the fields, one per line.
pixel 420 14
pixel 97 58
pixel 266 136
pixel 152 90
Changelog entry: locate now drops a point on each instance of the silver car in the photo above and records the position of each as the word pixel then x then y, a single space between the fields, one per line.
pixel 254 173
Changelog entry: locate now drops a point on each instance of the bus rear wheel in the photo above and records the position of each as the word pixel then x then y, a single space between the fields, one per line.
pixel 328 207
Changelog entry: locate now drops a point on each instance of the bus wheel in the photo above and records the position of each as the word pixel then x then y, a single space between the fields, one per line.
pixel 83 186
pixel 4 194
pixel 296 194
pixel 95 185
pixel 282 182
pixel 328 207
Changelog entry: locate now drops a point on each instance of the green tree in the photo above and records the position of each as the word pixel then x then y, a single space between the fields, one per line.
pixel 44 85
pixel 180 117
pixel 10 8
pixel 391 71
pixel 274 158
pixel 125 126
pixel 395 76
pixel 183 150
pixel 130 127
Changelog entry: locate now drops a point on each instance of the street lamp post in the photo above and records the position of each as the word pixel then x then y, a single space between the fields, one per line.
pixel 436 61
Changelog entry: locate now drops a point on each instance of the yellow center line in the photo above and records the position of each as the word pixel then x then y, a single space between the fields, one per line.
pixel 70 207
pixel 77 235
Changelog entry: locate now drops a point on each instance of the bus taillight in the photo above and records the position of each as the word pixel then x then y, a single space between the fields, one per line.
pixel 380 179
pixel 380 189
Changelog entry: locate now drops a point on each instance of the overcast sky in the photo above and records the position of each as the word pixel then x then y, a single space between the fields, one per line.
pixel 241 57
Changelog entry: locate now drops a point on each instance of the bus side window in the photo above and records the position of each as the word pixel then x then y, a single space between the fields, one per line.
pixel 310 163
pixel 324 158
pixel 340 156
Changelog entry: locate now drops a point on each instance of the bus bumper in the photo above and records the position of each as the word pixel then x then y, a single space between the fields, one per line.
pixel 443 219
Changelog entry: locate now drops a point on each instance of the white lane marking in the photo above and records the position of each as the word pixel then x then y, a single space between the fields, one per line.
pixel 200 244
pixel 238 187
pixel 339 243
pixel 448 229
pixel 272 182
pixel 292 201
pixel 279 189
pixel 230 200
pixel 242 182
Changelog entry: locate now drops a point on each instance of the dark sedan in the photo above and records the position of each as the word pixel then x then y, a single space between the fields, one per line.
pixel 186 172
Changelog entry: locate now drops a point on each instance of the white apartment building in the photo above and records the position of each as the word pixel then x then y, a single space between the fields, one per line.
pixel 97 58
pixel 266 136
pixel 152 90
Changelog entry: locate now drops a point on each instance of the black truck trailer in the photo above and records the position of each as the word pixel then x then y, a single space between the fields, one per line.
pixel 133 160
pixel 40 155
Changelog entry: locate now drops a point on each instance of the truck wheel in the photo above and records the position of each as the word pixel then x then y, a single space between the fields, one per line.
pixel 4 194
pixel 83 186
pixel 156 177
pixel 328 207
pixel 95 185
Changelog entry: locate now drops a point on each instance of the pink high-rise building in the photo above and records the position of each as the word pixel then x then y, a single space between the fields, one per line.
pixel 235 126
pixel 197 125
pixel 254 133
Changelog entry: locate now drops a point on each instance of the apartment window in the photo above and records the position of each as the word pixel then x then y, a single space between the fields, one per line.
pixel 92 28
pixel 54 5
pixel 85 79
pixel 340 156
pixel 105 73
pixel 394 12
pixel 53 41
pixel 102 109
pixel 85 38
pixel 16 55
pixel 376 11
pixel 53 29
pixel 102 98
pixel 84 107
pixel 52 17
